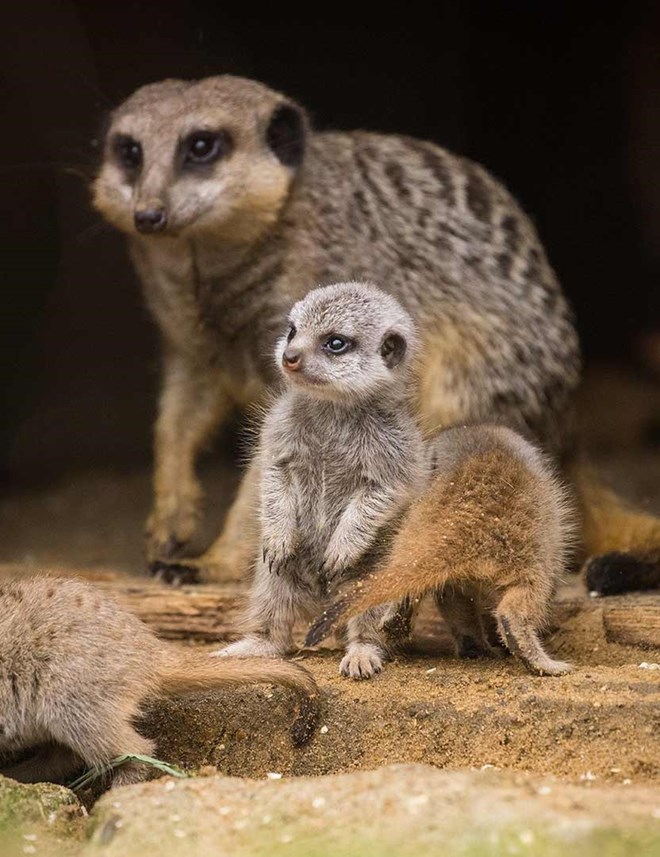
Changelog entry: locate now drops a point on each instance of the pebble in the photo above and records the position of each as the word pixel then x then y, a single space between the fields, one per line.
pixel 646 666
pixel 323 730
pixel 273 775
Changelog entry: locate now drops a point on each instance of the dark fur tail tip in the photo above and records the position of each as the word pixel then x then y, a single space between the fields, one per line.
pixel 305 722
pixel 615 573
pixel 174 573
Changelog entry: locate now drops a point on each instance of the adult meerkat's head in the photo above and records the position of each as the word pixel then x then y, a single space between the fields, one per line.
pixel 347 342
pixel 214 156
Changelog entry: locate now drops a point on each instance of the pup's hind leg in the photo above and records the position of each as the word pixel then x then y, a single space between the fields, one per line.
pixel 462 613
pixel 519 614
pixel 275 603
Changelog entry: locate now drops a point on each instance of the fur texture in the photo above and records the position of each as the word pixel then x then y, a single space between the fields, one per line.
pixel 76 668
pixel 489 538
pixel 340 458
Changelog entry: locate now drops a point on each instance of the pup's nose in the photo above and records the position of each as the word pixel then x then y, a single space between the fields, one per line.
pixel 291 359
pixel 150 219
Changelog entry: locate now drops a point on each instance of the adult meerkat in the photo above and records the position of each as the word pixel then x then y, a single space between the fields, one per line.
pixel 340 458
pixel 489 538
pixel 75 669
pixel 233 205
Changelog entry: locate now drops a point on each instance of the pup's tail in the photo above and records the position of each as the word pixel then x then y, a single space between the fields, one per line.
pixel 185 672
pixel 622 543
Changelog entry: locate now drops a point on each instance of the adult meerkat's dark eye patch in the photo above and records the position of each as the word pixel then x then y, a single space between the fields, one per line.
pixel 127 151
pixel 393 349
pixel 285 134
pixel 201 148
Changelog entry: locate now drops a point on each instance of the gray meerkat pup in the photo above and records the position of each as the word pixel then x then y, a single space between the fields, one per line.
pixel 76 668
pixel 489 537
pixel 232 205
pixel 340 457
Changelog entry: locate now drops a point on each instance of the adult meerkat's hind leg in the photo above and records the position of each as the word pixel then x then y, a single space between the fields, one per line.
pixel 519 615
pixel 231 554
pixel 622 543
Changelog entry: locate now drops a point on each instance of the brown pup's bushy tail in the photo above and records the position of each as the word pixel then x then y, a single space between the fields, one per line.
pixel 394 582
pixel 186 672
pixel 622 543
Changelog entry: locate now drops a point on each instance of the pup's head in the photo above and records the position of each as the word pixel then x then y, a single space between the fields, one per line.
pixel 214 156
pixel 347 342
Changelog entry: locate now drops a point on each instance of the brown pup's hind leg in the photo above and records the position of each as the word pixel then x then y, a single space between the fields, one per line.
pixel 518 616
pixel 461 611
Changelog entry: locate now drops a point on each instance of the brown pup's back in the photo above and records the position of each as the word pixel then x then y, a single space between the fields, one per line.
pixel 75 669
pixel 488 537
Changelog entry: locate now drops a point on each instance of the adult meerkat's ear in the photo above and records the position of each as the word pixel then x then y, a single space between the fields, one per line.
pixel 393 348
pixel 286 132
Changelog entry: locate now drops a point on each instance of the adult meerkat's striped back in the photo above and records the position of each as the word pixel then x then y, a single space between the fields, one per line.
pixel 234 208
pixel 489 537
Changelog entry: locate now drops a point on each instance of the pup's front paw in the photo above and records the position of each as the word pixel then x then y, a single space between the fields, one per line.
pixel 276 552
pixel 362 660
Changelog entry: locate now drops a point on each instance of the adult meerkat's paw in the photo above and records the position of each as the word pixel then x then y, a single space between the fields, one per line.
pixel 170 527
pixel 361 661
pixel 250 647
pixel 175 573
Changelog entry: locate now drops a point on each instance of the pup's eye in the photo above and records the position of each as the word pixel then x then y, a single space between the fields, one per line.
pixel 205 147
pixel 127 151
pixel 336 344
pixel 292 332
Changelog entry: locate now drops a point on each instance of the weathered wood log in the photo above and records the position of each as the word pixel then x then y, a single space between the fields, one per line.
pixel 633 620
pixel 204 613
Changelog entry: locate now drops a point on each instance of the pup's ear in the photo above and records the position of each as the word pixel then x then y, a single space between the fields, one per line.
pixel 393 349
pixel 286 132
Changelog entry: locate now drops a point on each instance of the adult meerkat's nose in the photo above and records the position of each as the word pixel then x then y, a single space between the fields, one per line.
pixel 292 359
pixel 150 219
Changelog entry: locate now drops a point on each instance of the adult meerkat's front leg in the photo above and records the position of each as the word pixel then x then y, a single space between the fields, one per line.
pixel 192 404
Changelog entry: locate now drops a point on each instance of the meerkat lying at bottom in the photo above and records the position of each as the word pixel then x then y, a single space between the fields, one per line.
pixel 75 669
pixel 340 458
pixel 489 538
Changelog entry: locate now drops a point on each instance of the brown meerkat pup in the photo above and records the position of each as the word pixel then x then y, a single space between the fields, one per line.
pixel 232 205
pixel 489 538
pixel 340 458
pixel 76 668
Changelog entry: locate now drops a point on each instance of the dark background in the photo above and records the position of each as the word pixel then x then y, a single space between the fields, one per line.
pixel 558 99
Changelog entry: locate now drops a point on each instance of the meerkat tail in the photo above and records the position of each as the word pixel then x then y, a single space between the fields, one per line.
pixel 623 542
pixel 186 672
pixel 398 580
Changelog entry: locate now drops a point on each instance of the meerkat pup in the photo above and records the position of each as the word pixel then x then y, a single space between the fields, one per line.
pixel 233 205
pixel 76 668
pixel 340 458
pixel 489 538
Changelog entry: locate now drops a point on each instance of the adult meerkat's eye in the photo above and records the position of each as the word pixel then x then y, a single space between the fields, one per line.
pixel 292 332
pixel 205 147
pixel 336 344
pixel 127 151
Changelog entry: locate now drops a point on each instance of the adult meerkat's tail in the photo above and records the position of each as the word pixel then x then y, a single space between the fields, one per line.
pixel 622 543
pixel 185 672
